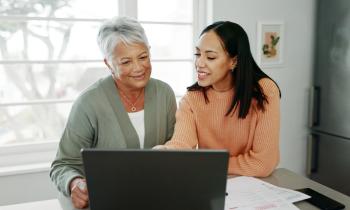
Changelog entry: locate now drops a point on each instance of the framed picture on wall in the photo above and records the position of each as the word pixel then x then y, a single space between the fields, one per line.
pixel 270 44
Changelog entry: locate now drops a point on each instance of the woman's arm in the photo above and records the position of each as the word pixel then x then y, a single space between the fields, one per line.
pixel 185 134
pixel 171 110
pixel 68 162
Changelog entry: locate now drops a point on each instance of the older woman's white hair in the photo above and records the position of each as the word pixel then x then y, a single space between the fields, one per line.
pixel 119 29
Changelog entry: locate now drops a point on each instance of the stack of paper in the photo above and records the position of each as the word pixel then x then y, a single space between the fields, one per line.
pixel 250 193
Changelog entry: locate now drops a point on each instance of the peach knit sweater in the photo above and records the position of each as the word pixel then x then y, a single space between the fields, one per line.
pixel 253 142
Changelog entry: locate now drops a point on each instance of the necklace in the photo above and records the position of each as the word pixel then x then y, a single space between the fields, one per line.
pixel 128 100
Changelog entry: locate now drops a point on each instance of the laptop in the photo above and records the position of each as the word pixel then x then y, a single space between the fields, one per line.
pixel 133 179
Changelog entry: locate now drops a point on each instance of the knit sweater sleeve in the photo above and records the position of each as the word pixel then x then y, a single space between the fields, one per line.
pixel 262 158
pixel 185 135
pixel 78 134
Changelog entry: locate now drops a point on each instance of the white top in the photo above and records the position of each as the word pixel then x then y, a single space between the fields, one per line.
pixel 138 121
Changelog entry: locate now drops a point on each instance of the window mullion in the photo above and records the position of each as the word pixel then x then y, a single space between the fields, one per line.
pixel 201 18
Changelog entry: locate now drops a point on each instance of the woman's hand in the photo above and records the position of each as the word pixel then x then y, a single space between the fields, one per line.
pixel 79 193
pixel 160 147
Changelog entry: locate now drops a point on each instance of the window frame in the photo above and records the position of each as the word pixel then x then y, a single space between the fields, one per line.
pixel 37 157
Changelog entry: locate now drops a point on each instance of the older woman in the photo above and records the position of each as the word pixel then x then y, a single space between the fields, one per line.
pixel 127 109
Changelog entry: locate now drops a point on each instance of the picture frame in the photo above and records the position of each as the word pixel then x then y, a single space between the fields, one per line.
pixel 270 44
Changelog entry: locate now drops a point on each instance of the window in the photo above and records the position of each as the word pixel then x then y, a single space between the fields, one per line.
pixel 48 55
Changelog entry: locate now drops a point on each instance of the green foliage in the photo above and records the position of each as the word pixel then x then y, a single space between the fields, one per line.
pixel 31 7
pixel 27 8
pixel 269 49
pixel 274 40
pixel 265 49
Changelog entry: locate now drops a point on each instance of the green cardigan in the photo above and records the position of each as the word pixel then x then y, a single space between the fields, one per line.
pixel 98 120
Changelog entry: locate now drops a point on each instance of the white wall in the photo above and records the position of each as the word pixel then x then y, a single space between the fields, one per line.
pixel 26 187
pixel 294 79
pixel 295 75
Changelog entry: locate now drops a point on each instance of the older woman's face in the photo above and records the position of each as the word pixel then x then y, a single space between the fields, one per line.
pixel 131 64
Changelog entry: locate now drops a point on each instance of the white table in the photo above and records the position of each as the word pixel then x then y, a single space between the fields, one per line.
pixel 38 205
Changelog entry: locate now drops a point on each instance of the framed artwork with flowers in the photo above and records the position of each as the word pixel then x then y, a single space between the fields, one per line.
pixel 270 44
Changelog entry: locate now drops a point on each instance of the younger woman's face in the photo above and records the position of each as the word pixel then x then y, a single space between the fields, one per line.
pixel 213 63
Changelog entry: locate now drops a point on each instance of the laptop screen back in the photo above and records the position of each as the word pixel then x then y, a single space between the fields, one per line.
pixel 156 179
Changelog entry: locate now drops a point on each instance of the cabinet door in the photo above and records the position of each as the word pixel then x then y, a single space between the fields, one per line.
pixel 329 162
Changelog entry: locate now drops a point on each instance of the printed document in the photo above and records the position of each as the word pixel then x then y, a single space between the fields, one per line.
pixel 248 193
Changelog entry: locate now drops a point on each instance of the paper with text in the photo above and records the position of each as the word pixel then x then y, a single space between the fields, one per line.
pixel 245 193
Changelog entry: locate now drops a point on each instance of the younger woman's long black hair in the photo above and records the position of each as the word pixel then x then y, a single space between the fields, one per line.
pixel 246 74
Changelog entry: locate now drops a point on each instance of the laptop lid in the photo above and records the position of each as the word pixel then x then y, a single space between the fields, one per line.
pixel 156 179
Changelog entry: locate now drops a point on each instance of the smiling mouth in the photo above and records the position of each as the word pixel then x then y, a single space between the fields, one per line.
pixel 202 75
pixel 139 77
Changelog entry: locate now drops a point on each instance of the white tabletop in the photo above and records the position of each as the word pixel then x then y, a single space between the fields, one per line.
pixel 38 205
